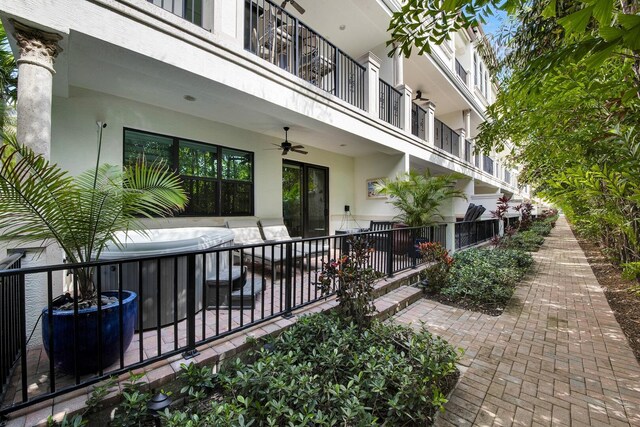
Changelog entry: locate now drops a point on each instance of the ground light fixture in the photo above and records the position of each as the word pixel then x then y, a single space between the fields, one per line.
pixel 158 403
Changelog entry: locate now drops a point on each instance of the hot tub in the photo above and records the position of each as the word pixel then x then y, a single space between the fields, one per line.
pixel 164 242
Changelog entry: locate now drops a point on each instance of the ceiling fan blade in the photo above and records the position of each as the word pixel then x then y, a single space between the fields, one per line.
pixel 299 151
pixel 298 146
pixel 297 7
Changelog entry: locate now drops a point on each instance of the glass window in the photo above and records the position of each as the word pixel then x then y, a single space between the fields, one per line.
pixel 218 180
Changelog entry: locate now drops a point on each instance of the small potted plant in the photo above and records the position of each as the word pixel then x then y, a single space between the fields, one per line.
pixel 82 215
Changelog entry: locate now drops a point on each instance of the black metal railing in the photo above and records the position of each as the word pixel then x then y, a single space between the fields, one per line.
pixel 511 221
pixel 467 151
pixel 418 121
pixel 470 233
pixel 280 38
pixel 487 164
pixel 461 72
pixel 389 103
pixel 446 138
pixel 183 300
pixel 191 10
pixel 11 315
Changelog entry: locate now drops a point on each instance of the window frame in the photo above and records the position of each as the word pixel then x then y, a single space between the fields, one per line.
pixel 174 165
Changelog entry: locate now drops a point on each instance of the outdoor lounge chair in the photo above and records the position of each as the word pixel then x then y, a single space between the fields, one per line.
pixel 274 230
pixel 272 254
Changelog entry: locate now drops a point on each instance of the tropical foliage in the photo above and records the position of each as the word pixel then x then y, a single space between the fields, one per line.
pixel 41 202
pixel 577 62
pixel 324 371
pixel 417 196
pixel 8 79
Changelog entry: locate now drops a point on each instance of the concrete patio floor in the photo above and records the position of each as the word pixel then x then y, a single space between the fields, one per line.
pixel 556 357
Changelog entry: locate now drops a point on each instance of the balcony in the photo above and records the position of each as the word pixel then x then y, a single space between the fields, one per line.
pixel 487 164
pixel 446 138
pixel 419 121
pixel 461 72
pixel 280 38
pixel 191 10
pixel 467 151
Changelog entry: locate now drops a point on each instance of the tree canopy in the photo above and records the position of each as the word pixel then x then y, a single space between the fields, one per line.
pixel 569 101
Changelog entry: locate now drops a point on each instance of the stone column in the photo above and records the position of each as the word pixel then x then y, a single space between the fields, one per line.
pixel 398 69
pixel 371 64
pixel 38 50
pixel 466 122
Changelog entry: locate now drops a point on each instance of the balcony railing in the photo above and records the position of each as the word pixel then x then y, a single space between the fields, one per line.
pixel 280 38
pixel 469 233
pixel 460 71
pixel 389 103
pixel 418 121
pixel 189 299
pixel 507 176
pixel 467 151
pixel 446 138
pixel 487 164
pixel 191 10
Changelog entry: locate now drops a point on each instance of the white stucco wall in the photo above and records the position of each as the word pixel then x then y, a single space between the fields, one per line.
pixel 74 147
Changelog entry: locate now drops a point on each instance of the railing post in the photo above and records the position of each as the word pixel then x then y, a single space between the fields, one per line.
pixel 430 118
pixel 405 107
pixel 392 236
pixel 191 308
pixel 336 73
pixel 288 281
pixel 371 65
pixel 450 237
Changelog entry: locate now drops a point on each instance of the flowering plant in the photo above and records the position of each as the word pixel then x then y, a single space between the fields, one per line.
pixel 440 262
pixel 352 277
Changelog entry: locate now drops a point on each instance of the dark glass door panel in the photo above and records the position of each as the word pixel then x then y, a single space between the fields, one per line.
pixel 305 199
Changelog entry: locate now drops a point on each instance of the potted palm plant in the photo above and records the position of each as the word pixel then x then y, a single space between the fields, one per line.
pixel 41 202
pixel 417 197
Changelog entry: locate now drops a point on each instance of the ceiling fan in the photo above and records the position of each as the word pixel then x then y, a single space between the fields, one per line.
pixel 295 5
pixel 286 146
pixel 419 96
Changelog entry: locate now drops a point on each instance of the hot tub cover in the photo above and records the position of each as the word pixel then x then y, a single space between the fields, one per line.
pixel 165 241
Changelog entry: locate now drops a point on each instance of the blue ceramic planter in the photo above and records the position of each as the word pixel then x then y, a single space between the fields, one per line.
pixel 87 342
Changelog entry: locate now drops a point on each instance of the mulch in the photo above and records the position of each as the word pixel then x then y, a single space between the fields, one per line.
pixel 625 305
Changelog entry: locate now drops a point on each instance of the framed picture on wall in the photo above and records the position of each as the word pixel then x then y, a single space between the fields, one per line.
pixel 372 193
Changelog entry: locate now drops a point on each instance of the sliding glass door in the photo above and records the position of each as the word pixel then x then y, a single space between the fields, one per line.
pixel 305 199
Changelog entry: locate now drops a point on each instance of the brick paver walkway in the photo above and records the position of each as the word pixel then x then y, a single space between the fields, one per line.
pixel 556 356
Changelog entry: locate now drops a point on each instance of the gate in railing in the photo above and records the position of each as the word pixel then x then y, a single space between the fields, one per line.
pixel 188 299
pixel 12 327
pixel 469 233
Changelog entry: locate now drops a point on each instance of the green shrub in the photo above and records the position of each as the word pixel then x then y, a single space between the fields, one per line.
pixel 542 228
pixel 440 262
pixel 324 371
pixel 485 279
pixel 524 240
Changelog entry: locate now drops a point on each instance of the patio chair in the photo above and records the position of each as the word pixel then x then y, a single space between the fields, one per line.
pixel 274 230
pixel 381 240
pixel 272 256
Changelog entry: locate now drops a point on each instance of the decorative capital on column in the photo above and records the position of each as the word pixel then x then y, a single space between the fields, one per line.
pixel 36 47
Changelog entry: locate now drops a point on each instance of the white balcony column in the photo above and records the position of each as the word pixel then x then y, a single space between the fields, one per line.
pixel 466 120
pixel 371 64
pixel 405 109
pixel 398 69
pixel 461 142
pixel 38 50
pixel 450 235
pixel 430 118
pixel 225 18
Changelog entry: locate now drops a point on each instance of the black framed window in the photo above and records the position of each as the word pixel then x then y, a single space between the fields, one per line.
pixel 218 180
